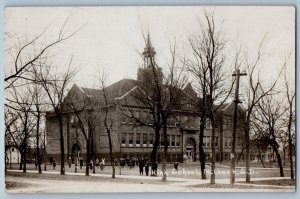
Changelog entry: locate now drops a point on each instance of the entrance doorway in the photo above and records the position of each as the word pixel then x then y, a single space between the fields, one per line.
pixel 75 152
pixel 190 150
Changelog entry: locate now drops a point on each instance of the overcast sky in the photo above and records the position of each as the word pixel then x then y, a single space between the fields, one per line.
pixel 111 35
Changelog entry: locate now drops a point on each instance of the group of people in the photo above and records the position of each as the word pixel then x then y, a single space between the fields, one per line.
pixel 98 163
pixel 91 164
pixel 145 163
pixel 80 162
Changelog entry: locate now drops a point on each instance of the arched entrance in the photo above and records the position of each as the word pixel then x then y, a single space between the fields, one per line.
pixel 190 149
pixel 75 151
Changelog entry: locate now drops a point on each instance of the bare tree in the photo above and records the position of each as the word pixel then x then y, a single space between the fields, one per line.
pixel 108 123
pixel 10 119
pixel 21 103
pixel 38 112
pixel 56 86
pixel 268 120
pixel 30 52
pixel 83 107
pixel 290 121
pixel 253 93
pixel 160 93
pixel 207 67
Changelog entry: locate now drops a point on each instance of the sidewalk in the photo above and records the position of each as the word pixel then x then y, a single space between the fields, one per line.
pixel 178 181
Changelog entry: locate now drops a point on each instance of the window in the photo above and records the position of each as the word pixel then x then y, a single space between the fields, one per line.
pixel 178 140
pixel 172 140
pixel 191 122
pixel 12 149
pixel 144 139
pixel 161 140
pixel 208 124
pixel 130 141
pixel 185 119
pixel 137 114
pixel 123 139
pixel 151 138
pixel 204 141
pixel 216 141
pixel 225 140
pixel 216 123
pixel 177 121
pixel 138 140
pixel 229 123
pixel 168 140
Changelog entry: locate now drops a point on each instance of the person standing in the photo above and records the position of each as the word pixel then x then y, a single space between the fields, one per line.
pixel 155 168
pixel 69 162
pixel 54 164
pixel 81 162
pixel 91 164
pixel 141 165
pixel 176 166
pixel 147 168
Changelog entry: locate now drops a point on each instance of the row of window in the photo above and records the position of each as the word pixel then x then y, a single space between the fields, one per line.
pixel 207 141
pixel 187 121
pixel 227 142
pixel 144 140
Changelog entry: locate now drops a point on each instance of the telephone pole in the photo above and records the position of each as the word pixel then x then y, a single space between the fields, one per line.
pixel 236 100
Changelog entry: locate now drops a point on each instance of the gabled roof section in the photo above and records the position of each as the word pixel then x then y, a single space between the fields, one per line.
pixel 113 91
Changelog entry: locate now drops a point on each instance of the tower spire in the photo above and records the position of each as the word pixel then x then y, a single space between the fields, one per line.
pixel 149 51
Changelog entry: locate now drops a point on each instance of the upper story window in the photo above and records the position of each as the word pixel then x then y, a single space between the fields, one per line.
pixel 216 141
pixel 208 124
pixel 144 139
pixel 206 141
pixel 137 115
pixel 130 139
pixel 151 138
pixel 172 140
pixel 178 140
pixel 123 138
pixel 138 139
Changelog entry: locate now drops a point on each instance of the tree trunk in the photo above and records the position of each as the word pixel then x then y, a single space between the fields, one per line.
pixel 165 154
pixel 24 157
pixel 45 152
pixel 213 151
pixel 62 147
pixel 155 146
pixel 38 159
pixel 279 161
pixel 112 160
pixel 284 155
pixel 261 160
pixel 21 159
pixel 247 141
pixel 87 159
pixel 240 155
pixel 291 151
pixel 275 149
pixel 201 150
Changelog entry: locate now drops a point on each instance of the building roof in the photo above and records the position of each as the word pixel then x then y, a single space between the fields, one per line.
pixel 112 91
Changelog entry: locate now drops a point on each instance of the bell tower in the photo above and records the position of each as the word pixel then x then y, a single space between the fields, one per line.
pixel 149 71
pixel 149 53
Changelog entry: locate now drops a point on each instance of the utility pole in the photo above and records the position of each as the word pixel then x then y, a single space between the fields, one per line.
pixel 236 101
